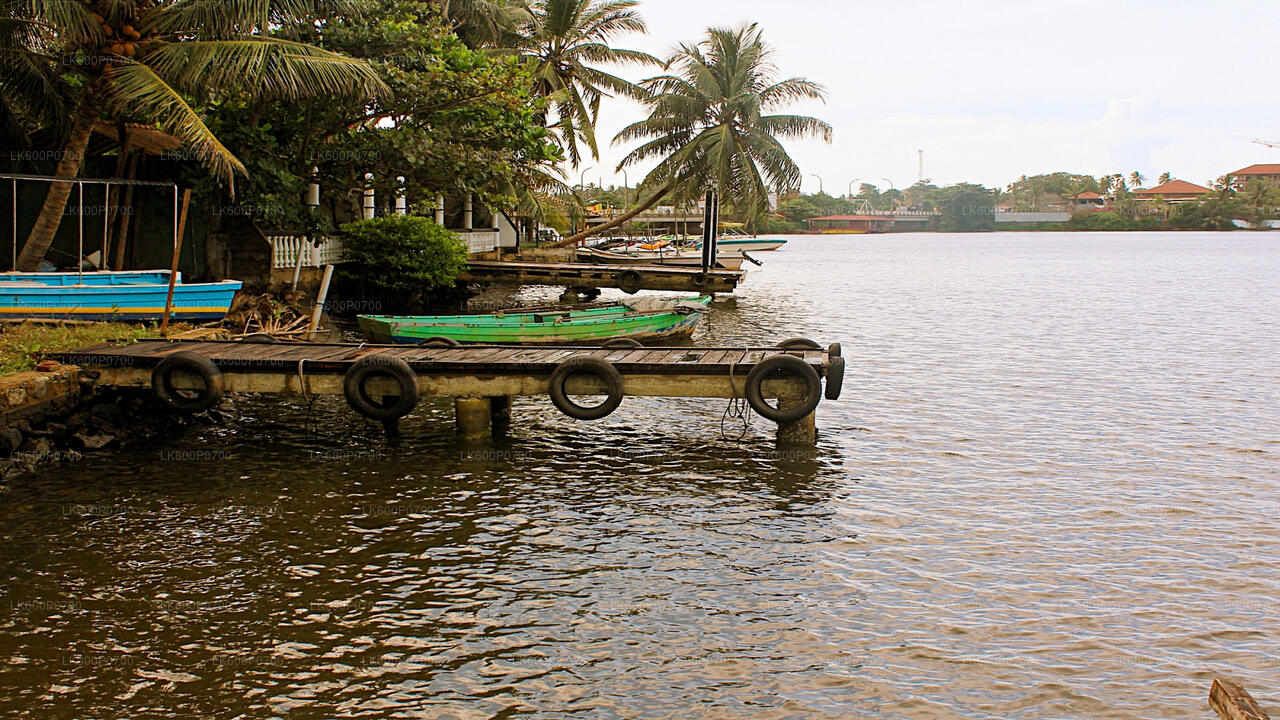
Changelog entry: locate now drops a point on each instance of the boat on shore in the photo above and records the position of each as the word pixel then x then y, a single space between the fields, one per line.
pixel 111 296
pixel 644 319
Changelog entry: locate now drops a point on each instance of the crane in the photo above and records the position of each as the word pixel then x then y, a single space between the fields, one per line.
pixel 1267 143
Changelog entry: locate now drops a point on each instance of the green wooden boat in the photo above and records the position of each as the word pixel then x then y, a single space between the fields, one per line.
pixel 639 319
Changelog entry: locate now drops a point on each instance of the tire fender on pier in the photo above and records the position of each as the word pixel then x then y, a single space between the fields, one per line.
pixel 601 369
pixel 835 378
pixel 193 364
pixel 629 282
pixel 777 367
pixel 386 366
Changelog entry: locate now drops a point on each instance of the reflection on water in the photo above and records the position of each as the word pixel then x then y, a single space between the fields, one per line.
pixel 1050 490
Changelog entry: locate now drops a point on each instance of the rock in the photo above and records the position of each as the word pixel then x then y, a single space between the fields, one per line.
pixel 55 428
pixel 37 446
pixel 78 420
pixel 12 438
pixel 106 411
pixel 95 442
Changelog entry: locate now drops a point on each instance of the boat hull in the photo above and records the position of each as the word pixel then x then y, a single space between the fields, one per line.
pixel 726 261
pixel 580 328
pixel 136 296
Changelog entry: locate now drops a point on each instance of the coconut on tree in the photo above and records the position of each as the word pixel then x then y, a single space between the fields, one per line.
pixel 157 61
pixel 712 125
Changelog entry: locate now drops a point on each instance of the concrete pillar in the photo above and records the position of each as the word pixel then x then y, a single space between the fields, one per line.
pixel 467 223
pixel 474 419
pixel 313 190
pixel 440 210
pixel 402 204
pixel 500 414
pixel 370 202
pixel 801 432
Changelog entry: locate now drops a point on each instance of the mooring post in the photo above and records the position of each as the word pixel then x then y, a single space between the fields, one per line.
pixel 500 414
pixel 474 419
pixel 800 432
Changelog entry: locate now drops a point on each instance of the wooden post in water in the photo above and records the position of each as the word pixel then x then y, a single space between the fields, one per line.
pixel 320 301
pixel 173 267
pixel 474 419
pixel 800 432
pixel 500 414
pixel 1232 702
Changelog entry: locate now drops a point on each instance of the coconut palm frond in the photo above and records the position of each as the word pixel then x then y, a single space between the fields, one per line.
pixel 267 68
pixel 136 89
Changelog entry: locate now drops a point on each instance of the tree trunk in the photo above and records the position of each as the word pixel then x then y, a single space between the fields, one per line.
pixel 55 202
pixel 616 222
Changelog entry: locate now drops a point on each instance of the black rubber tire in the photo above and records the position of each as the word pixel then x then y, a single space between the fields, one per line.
pixel 620 343
pixel 585 366
pixel 699 279
pixel 196 364
pixel 440 342
pixel 630 282
pixel 783 365
pixel 389 366
pixel 835 378
pixel 834 350
pixel 260 339
pixel 799 343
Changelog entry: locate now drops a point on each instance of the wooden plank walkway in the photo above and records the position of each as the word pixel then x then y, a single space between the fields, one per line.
pixel 591 275
pixel 481 379
pixel 337 358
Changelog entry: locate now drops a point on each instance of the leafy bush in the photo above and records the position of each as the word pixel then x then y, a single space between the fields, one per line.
pixel 402 254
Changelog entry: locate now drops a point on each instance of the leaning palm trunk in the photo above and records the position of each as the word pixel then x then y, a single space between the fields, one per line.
pixel 616 222
pixel 55 202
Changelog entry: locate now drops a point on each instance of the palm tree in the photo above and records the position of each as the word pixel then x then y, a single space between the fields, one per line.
pixel 147 60
pixel 1137 179
pixel 707 124
pixel 563 41
pixel 480 23
pixel 1165 177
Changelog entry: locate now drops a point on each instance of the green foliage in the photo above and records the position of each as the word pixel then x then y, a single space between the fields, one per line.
pixel 774 224
pixel 1032 192
pixel 402 254
pixel 455 121
pixel 799 208
pixel 710 123
pixel 965 208
pixel 1110 221
pixel 22 344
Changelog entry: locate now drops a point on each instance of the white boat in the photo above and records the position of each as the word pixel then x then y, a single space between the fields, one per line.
pixel 728 261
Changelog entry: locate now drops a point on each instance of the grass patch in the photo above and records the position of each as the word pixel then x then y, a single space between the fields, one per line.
pixel 21 344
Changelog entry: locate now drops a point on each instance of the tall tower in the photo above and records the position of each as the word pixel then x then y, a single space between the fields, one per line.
pixel 921 175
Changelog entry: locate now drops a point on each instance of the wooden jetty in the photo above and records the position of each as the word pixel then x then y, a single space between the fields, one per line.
pixel 377 379
pixel 629 278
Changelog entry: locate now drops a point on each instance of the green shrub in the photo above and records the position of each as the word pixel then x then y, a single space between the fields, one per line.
pixel 402 254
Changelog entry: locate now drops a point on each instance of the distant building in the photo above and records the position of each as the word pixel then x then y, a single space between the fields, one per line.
pixel 1087 199
pixel 1174 191
pixel 1262 171
pixel 850 223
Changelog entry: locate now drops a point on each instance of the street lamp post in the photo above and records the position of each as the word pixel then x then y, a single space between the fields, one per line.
pixel 890 192
pixel 851 182
pixel 820 191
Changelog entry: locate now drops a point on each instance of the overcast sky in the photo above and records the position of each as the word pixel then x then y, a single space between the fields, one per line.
pixel 993 90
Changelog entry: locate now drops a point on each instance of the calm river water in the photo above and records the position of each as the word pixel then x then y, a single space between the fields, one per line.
pixel 1051 490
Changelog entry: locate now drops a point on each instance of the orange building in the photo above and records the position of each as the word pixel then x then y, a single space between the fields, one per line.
pixel 1174 191
pixel 1262 171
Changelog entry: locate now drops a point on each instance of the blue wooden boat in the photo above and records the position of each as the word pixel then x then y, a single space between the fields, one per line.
pixel 107 295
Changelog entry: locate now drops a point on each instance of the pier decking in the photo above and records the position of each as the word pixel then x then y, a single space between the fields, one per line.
pixel 629 278
pixel 473 375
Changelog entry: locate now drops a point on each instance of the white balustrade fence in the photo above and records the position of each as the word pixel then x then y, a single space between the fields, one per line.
pixel 285 250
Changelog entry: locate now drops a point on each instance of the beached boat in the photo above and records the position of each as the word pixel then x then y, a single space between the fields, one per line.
pixel 749 244
pixel 108 295
pixel 684 258
pixel 644 319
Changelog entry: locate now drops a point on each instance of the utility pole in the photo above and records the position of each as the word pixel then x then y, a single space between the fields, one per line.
pixel 921 176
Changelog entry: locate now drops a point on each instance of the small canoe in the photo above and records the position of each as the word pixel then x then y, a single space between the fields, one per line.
pixel 749 244
pixel 106 295
pixel 640 319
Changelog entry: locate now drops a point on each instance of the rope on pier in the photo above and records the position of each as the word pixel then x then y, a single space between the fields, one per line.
pixel 736 409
